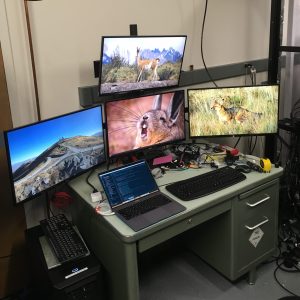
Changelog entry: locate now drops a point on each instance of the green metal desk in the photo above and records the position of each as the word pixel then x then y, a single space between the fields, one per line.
pixel 234 230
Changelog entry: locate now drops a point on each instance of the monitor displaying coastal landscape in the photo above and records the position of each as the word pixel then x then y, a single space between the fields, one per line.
pixel 44 154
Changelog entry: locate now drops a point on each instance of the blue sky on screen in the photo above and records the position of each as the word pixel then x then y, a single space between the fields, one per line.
pixel 30 141
pixel 127 45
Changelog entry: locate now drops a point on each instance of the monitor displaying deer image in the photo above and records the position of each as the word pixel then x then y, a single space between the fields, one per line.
pixel 143 122
pixel 139 63
pixel 144 65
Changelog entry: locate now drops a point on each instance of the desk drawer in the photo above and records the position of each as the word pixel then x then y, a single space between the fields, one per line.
pixel 255 216
pixel 261 200
pixel 182 226
pixel 256 207
pixel 254 241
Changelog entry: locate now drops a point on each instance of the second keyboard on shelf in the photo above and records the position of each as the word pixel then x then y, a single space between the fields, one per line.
pixel 63 238
pixel 205 184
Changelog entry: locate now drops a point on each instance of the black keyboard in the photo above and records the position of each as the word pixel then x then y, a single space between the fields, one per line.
pixel 63 238
pixel 143 206
pixel 205 184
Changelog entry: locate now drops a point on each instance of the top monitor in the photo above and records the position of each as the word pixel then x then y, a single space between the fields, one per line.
pixel 233 111
pixel 139 63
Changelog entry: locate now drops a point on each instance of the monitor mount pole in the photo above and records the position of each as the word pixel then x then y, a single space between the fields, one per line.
pixel 274 46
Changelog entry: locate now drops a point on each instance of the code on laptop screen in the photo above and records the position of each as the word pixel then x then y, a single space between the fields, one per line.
pixel 128 183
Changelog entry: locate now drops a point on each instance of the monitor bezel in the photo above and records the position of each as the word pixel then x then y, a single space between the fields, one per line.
pixel 10 170
pixel 136 92
pixel 231 135
pixel 154 146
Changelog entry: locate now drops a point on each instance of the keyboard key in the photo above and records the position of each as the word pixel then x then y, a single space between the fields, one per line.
pixel 143 206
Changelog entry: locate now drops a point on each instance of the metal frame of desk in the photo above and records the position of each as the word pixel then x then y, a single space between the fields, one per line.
pixel 222 215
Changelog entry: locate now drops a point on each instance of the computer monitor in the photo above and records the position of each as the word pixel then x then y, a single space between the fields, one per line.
pixel 140 63
pixel 142 122
pixel 233 111
pixel 46 153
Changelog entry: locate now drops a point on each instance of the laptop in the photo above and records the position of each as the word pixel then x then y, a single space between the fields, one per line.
pixel 132 188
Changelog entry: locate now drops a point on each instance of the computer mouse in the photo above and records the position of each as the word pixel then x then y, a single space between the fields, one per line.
pixel 243 168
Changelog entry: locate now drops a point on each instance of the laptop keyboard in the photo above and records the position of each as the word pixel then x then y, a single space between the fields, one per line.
pixel 144 206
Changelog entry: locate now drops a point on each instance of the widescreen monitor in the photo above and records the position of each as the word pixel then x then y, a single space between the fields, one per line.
pixel 140 63
pixel 46 153
pixel 142 122
pixel 233 111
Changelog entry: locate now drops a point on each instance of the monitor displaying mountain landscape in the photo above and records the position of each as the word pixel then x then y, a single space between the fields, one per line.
pixel 139 63
pixel 46 153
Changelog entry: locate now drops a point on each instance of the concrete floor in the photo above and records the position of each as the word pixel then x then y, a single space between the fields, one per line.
pixel 181 275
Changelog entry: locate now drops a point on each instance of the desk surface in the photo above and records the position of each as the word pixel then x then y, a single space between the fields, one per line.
pixel 193 207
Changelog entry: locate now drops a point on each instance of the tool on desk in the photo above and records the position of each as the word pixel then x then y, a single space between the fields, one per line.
pixel 244 168
pixel 162 160
pixel 255 166
pixel 134 196
pixel 265 164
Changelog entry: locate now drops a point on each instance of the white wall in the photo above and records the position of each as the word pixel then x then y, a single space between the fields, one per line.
pixel 66 38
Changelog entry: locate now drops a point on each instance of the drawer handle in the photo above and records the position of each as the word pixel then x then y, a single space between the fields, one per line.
pixel 258 202
pixel 257 225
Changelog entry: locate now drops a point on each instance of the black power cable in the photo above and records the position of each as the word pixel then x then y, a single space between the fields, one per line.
pixel 237 142
pixel 202 55
pixel 89 183
pixel 250 147
pixel 279 267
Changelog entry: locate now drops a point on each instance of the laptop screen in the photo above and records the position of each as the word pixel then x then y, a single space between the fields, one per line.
pixel 127 183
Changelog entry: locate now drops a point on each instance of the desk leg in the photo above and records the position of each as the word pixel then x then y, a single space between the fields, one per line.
pixel 119 260
pixel 252 275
